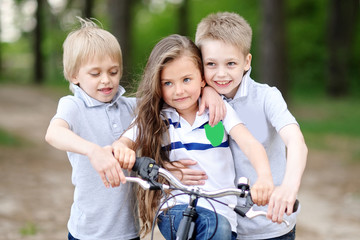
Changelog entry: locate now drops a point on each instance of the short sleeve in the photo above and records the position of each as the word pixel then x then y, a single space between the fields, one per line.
pixel 68 110
pixel 131 133
pixel 277 111
pixel 231 119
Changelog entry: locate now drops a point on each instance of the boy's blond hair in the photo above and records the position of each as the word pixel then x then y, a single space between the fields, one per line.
pixel 87 42
pixel 228 27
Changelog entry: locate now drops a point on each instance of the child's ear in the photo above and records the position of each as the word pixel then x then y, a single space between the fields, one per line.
pixel 203 83
pixel 247 62
pixel 74 80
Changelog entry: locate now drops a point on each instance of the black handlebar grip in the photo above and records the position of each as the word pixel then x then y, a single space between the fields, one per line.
pixel 141 163
pixel 296 205
pixel 146 168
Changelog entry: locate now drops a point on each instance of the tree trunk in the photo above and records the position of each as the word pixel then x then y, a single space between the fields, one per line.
pixel 38 37
pixel 341 29
pixel 183 18
pixel 273 60
pixel 88 8
pixel 120 15
pixel 1 64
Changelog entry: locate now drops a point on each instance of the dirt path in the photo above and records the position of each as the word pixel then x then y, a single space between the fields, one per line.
pixel 36 191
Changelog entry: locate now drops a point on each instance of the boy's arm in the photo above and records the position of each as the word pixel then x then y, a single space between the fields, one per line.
pixel 213 101
pixel 255 152
pixel 285 195
pixel 180 169
pixel 61 137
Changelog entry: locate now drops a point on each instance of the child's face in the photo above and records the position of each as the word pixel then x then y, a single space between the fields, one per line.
pixel 99 78
pixel 181 83
pixel 224 66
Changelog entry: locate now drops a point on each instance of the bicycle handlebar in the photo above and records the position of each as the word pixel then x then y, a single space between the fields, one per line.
pixel 148 170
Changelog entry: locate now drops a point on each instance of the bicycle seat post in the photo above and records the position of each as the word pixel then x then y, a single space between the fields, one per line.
pixel 187 229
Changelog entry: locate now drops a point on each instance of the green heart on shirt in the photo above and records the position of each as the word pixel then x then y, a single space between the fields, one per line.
pixel 215 134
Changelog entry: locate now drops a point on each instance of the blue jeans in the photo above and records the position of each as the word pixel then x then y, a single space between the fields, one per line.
pixel 70 237
pixel 289 236
pixel 205 224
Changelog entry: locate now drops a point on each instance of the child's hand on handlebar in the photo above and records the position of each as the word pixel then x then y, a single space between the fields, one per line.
pixel 105 164
pixel 261 191
pixel 281 201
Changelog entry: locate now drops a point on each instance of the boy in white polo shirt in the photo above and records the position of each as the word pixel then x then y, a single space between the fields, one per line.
pixel 225 40
pixel 85 125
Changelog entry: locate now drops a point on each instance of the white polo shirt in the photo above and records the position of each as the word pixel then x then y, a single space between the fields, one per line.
pixel 191 142
pixel 265 113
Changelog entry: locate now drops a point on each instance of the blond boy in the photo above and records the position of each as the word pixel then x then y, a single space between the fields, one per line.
pixel 85 125
pixel 225 42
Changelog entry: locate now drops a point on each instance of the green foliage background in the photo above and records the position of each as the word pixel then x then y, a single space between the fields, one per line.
pixel 306 40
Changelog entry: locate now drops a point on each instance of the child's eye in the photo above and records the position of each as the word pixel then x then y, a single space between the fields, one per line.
pixel 95 74
pixel 113 73
pixel 186 80
pixel 167 83
pixel 210 64
pixel 231 63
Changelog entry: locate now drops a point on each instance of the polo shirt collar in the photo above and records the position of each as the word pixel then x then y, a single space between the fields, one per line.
pixel 244 86
pixel 92 102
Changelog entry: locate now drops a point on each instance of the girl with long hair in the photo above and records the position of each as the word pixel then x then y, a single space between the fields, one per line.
pixel 167 128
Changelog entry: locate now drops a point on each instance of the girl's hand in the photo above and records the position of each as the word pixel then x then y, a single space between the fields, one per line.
pixel 262 190
pixel 180 169
pixel 213 101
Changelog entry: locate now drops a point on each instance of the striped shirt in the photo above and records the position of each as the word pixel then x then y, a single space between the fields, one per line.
pixel 196 142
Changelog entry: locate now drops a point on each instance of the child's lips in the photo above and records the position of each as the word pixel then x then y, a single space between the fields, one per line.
pixel 106 90
pixel 180 99
pixel 223 83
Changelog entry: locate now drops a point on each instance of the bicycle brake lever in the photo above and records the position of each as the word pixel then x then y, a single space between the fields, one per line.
pixel 248 211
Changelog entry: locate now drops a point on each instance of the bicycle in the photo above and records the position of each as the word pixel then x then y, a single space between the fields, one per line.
pixel 146 168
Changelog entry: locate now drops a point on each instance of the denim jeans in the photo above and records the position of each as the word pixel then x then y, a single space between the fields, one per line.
pixel 289 236
pixel 205 224
pixel 70 237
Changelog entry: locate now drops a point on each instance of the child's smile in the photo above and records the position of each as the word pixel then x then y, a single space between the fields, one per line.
pixel 99 78
pixel 181 84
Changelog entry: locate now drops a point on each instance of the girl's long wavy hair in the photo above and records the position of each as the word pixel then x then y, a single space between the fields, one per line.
pixel 152 126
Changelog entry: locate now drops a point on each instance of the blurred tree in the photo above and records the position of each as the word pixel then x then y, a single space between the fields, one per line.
pixel 273 60
pixel 1 64
pixel 38 40
pixel 88 8
pixel 121 23
pixel 183 18
pixel 341 32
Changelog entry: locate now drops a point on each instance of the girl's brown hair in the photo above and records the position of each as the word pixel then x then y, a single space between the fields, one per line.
pixel 152 126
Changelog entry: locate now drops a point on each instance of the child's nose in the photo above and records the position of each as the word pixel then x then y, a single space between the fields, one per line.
pixel 105 78
pixel 179 88
pixel 221 72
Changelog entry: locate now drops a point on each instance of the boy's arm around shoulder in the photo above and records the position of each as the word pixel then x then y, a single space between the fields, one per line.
pixel 256 153
pixel 61 137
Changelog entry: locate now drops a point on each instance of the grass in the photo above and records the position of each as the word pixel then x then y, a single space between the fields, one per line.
pixel 7 139
pixel 329 116
pixel 330 124
pixel 29 229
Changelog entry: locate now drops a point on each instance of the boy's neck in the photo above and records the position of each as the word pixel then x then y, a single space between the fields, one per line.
pixel 233 92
